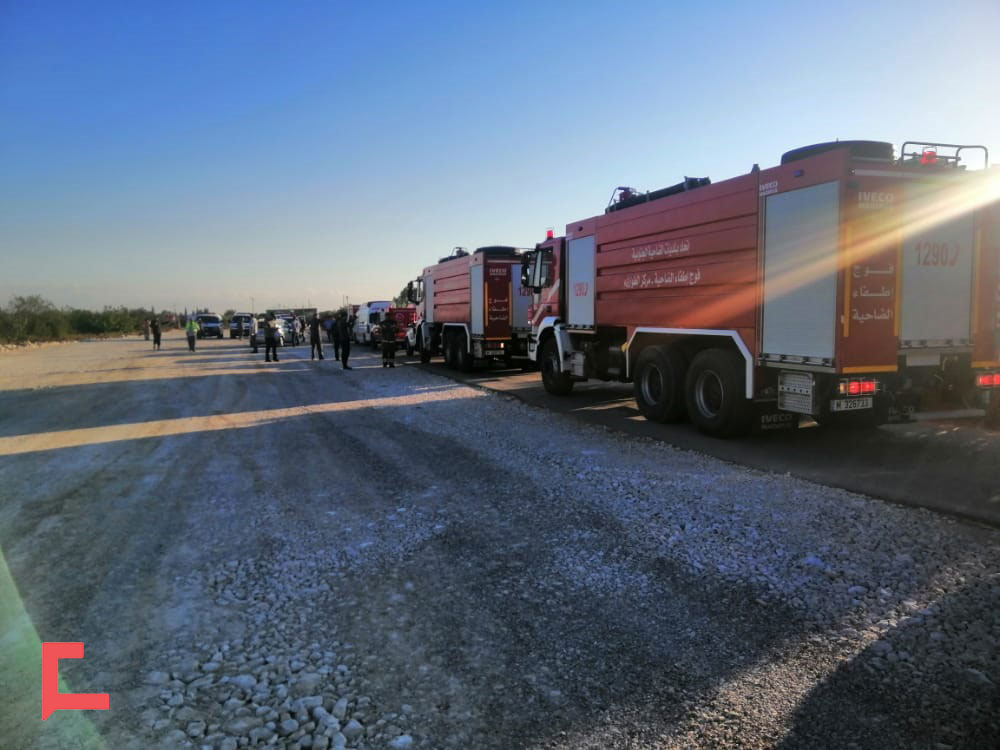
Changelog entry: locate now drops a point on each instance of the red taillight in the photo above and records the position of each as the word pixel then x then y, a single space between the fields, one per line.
pixel 988 380
pixel 857 387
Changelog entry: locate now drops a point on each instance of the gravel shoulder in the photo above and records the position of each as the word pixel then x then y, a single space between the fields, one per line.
pixel 298 556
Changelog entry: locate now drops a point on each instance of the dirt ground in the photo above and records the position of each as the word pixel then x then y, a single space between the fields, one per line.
pixel 299 556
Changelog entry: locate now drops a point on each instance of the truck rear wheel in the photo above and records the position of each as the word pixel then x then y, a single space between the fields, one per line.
pixel 464 357
pixel 556 382
pixel 659 383
pixel 714 392
pixel 451 351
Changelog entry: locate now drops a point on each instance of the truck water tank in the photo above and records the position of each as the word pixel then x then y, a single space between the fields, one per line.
pixel 863 149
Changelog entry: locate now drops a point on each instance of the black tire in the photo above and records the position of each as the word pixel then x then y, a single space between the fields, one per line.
pixel 464 358
pixel 555 381
pixel 714 393
pixel 658 383
pixel 450 352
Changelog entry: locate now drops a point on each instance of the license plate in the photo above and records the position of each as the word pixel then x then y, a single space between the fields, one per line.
pixel 851 404
pixel 494 352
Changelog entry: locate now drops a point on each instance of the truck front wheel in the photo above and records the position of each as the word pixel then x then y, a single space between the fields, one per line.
pixel 714 391
pixel 659 383
pixel 556 382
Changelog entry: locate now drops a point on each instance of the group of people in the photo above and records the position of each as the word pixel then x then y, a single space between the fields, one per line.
pixel 339 332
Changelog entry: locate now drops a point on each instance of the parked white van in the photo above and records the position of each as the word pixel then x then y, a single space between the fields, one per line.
pixel 369 314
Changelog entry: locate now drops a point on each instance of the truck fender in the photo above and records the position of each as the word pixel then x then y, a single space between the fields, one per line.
pixel 543 328
pixel 465 328
pixel 564 344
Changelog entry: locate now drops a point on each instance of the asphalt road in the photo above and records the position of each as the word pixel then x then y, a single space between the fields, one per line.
pixel 948 465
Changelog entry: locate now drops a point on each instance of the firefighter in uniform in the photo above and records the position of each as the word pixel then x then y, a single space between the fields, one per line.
pixel 344 334
pixel 387 332
pixel 315 342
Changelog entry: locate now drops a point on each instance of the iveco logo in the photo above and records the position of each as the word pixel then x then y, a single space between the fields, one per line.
pixel 875 197
pixel 498 270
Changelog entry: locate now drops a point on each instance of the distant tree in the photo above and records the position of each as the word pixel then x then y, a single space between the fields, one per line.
pixel 228 315
pixel 400 299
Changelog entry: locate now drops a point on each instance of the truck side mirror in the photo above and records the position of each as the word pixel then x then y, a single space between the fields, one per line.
pixel 410 296
pixel 525 273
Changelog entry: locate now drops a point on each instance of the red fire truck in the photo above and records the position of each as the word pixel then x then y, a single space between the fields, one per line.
pixel 470 308
pixel 843 284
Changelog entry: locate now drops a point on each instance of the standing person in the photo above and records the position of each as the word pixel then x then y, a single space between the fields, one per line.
pixel 387 331
pixel 253 333
pixel 155 327
pixel 315 342
pixel 145 328
pixel 328 327
pixel 344 334
pixel 192 329
pixel 270 338
pixel 335 336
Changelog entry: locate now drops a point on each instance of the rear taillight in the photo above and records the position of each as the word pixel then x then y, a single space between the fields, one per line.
pixel 988 380
pixel 857 387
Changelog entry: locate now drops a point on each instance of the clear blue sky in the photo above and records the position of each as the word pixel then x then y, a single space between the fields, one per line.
pixel 199 153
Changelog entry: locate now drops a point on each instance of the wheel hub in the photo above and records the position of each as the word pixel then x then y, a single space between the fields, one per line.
pixel 709 393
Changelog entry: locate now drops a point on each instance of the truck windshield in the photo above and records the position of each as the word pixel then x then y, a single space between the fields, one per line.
pixel 538 272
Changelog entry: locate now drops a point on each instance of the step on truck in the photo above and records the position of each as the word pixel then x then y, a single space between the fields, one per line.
pixel 847 285
pixel 470 308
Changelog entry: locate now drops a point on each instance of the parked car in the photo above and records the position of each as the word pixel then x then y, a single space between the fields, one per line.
pixel 210 325
pixel 291 329
pixel 239 326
